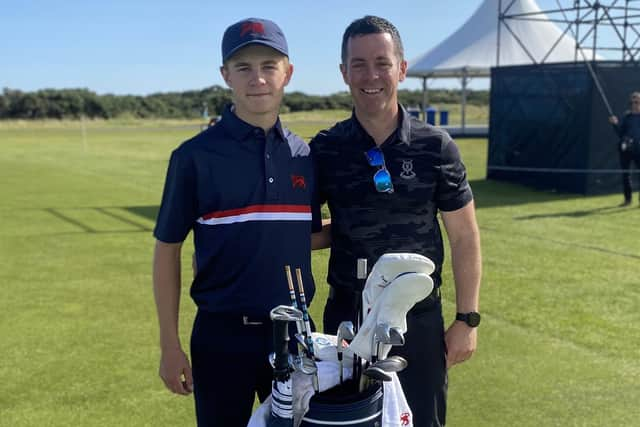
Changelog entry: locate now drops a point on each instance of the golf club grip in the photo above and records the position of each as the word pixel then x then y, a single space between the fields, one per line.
pixel 292 296
pixel 281 349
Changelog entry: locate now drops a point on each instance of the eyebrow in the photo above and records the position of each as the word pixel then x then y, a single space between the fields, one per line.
pixel 376 59
pixel 248 63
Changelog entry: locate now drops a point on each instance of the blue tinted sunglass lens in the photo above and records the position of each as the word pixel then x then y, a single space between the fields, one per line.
pixel 375 157
pixel 382 181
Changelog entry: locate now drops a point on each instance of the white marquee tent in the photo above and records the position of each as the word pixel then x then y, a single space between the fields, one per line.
pixel 473 49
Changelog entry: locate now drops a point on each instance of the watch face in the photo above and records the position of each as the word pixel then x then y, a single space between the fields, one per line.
pixel 473 319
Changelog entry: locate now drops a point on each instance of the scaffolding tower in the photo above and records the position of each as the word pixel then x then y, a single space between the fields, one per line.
pixel 601 27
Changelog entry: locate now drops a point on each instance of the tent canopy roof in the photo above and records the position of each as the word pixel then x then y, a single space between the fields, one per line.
pixel 472 49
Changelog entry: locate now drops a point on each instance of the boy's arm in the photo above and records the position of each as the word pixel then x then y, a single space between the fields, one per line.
pixel 175 369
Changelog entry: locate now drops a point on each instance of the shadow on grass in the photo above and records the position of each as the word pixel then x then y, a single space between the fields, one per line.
pixel 147 212
pixel 490 194
pixel 576 214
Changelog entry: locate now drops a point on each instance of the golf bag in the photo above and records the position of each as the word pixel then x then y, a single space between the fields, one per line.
pixel 363 409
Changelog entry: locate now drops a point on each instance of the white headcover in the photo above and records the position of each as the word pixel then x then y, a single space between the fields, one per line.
pixel 391 308
pixel 386 269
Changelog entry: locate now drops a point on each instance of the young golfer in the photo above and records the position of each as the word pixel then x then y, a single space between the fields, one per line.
pixel 243 187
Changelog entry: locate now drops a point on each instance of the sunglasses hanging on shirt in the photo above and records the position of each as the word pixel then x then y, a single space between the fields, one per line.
pixel 382 177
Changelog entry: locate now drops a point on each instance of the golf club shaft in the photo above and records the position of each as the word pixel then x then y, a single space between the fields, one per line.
pixel 361 275
pixel 292 296
pixel 305 313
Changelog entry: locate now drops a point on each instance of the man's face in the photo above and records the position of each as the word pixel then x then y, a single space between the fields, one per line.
pixel 257 76
pixel 372 71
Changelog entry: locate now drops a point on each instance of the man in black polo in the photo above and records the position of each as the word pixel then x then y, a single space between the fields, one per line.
pixel 385 176
pixel 244 188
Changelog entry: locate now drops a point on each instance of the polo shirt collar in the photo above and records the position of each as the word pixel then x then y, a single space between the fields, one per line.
pixel 241 130
pixel 402 133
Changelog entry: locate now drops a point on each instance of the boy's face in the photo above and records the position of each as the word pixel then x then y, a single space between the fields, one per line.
pixel 373 72
pixel 257 76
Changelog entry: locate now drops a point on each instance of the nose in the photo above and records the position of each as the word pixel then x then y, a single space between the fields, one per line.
pixel 257 78
pixel 371 72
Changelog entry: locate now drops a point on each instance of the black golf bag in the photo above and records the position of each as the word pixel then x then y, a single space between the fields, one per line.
pixel 332 407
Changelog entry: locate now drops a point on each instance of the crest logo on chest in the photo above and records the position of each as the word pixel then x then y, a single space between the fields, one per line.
pixel 407 169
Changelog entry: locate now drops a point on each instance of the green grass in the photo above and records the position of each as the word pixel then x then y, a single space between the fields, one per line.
pixel 558 345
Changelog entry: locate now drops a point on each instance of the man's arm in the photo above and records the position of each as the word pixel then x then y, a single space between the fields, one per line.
pixel 322 239
pixel 466 260
pixel 175 369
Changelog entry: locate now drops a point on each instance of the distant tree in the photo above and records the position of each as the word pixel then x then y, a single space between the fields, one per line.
pixel 74 103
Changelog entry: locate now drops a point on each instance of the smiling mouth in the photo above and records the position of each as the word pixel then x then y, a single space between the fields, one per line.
pixel 371 91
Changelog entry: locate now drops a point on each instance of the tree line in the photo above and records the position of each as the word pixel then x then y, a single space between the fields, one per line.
pixel 77 103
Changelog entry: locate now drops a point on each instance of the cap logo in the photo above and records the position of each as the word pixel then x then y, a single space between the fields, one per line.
pixel 251 27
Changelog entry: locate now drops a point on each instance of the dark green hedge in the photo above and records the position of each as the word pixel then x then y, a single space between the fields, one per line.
pixel 73 103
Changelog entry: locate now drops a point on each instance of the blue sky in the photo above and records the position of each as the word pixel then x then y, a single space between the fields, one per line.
pixel 141 47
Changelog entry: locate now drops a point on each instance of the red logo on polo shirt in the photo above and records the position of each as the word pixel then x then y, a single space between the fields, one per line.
pixel 251 27
pixel 297 181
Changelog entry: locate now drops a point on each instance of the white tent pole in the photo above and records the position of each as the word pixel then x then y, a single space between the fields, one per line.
pixel 499 25
pixel 425 99
pixel 464 100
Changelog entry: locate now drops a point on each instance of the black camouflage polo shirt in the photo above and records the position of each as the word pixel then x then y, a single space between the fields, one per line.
pixel 427 174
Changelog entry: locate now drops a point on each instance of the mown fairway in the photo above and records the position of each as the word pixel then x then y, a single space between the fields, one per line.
pixel 78 336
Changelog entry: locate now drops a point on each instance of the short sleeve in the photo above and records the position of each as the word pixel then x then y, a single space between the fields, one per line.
pixel 178 209
pixel 453 190
pixel 317 198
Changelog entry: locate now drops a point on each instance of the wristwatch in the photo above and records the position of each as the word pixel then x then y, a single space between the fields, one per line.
pixel 472 318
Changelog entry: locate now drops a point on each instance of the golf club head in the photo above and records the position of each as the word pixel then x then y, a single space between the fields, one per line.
pixel 306 365
pixel 380 334
pixel 396 337
pixel 375 373
pixel 391 364
pixel 272 360
pixel 301 342
pixel 346 331
pixel 285 313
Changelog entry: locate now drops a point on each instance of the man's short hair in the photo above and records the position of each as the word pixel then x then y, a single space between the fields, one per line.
pixel 371 25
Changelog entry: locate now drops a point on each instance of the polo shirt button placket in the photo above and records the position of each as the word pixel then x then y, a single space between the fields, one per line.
pixel 271 165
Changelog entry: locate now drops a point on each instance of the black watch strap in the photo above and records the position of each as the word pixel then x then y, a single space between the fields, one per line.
pixel 472 318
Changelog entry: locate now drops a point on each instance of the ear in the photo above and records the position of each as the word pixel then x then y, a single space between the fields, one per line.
pixel 403 70
pixel 343 71
pixel 288 74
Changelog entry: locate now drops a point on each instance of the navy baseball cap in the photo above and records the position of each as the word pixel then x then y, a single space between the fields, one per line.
pixel 253 30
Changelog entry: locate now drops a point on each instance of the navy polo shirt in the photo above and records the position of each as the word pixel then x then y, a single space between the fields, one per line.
pixel 246 196
pixel 427 174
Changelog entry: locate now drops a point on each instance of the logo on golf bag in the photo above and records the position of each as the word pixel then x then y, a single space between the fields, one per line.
pixel 404 419
pixel 297 181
